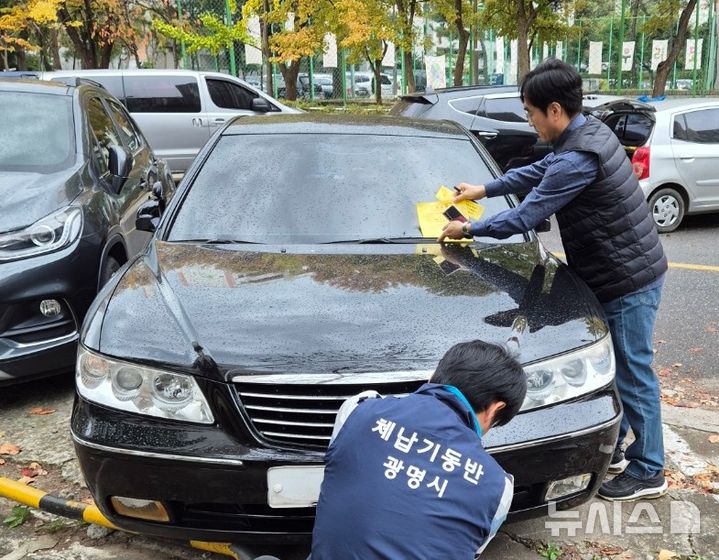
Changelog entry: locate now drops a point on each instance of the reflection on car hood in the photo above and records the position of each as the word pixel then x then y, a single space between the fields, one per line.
pixel 342 307
pixel 27 197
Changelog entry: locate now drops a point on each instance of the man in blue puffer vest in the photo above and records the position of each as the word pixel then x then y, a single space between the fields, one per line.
pixel 407 478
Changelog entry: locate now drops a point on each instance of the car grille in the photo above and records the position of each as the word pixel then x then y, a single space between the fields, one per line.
pixel 303 415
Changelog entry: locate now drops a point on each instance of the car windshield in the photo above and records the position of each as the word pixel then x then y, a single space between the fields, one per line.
pixel 37 132
pixel 323 188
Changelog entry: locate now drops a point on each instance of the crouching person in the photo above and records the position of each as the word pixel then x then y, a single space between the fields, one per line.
pixel 408 477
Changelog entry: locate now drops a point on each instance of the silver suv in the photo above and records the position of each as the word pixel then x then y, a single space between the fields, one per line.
pixel 178 110
pixel 674 148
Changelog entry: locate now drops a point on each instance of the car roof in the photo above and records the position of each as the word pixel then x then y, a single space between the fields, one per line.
pixel 307 123
pixel 34 86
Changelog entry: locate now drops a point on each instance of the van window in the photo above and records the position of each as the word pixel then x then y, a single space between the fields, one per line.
pixel 162 94
pixel 229 95
pixel 113 84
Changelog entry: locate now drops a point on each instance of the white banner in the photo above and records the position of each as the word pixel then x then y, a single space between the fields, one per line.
pixel 545 51
pixel 329 54
pixel 691 50
pixel 703 12
pixel 389 56
pixel 253 55
pixel 436 68
pixel 559 54
pixel 659 51
pixel 627 56
pixel 290 23
pixel 499 49
pixel 595 57
pixel 513 62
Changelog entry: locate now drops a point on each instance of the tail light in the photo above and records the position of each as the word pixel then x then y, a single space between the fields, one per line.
pixel 640 162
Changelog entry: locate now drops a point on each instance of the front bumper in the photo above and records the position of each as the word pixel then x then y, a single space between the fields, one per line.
pixel 215 486
pixel 31 345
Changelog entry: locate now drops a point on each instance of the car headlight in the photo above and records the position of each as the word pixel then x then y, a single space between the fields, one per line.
pixel 49 234
pixel 570 375
pixel 140 389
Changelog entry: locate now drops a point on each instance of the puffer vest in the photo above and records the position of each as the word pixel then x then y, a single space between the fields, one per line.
pixel 609 237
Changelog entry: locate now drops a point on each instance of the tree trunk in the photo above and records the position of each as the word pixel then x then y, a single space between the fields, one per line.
pixel 105 55
pixel 665 66
pixel 266 53
pixel 463 35
pixel 55 50
pixel 377 71
pixel 289 73
pixel 409 71
pixel 20 59
pixel 524 22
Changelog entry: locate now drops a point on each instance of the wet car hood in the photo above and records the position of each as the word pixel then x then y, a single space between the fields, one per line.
pixel 27 197
pixel 342 308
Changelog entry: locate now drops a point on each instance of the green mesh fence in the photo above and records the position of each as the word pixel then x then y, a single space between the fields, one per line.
pixel 489 59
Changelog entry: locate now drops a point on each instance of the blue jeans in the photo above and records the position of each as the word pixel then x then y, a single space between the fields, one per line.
pixel 631 321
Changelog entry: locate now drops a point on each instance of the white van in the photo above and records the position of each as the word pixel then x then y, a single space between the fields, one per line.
pixel 178 110
pixel 364 86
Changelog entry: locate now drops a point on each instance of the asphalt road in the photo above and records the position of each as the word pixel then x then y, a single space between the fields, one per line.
pixel 687 331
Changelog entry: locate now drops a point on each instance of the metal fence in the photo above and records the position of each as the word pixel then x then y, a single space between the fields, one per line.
pixel 613 54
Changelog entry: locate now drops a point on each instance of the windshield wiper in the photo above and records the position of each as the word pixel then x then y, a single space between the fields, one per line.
pixel 381 240
pixel 217 241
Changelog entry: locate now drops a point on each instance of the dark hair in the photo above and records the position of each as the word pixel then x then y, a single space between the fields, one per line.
pixel 485 373
pixel 553 80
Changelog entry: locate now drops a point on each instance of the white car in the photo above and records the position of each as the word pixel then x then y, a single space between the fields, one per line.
pixel 674 146
pixel 362 84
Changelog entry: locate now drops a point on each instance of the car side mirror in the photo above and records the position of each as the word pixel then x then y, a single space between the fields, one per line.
pixel 158 193
pixel 261 105
pixel 120 165
pixel 148 216
pixel 544 226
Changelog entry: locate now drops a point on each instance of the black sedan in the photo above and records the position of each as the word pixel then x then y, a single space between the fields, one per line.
pixel 211 369
pixel 73 171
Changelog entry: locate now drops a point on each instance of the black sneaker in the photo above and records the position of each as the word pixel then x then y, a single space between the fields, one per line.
pixel 626 487
pixel 619 463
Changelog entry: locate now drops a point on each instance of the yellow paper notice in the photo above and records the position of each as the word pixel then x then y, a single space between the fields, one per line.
pixel 445 195
pixel 431 220
pixel 471 210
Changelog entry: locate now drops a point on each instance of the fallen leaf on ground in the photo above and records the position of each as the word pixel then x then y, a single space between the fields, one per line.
pixel 664 372
pixel 714 438
pixel 26 480
pixel 35 469
pixel 687 404
pixel 677 365
pixel 666 555
pixel 711 330
pixel 696 349
pixel 610 550
pixel 2 461
pixel 40 411
pixel 9 449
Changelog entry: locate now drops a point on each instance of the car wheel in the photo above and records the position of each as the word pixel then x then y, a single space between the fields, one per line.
pixel 667 208
pixel 111 266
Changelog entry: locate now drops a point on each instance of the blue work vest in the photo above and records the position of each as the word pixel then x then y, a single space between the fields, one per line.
pixel 408 478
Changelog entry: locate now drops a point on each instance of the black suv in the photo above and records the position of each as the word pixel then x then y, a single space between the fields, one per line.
pixel 494 114
pixel 74 169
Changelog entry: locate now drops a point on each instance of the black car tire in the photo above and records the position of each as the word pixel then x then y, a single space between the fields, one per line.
pixel 111 266
pixel 667 209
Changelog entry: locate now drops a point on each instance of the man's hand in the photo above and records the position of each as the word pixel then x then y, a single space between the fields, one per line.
pixel 469 192
pixel 453 230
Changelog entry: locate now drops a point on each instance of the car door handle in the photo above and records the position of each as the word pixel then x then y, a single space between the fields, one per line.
pixel 686 157
pixel 218 120
pixel 196 121
pixel 487 135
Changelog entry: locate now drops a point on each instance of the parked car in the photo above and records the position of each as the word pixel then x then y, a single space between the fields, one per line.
pixel 674 148
pixel 74 169
pixel 303 87
pixel 178 110
pixel 362 84
pixel 217 361
pixel 494 114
